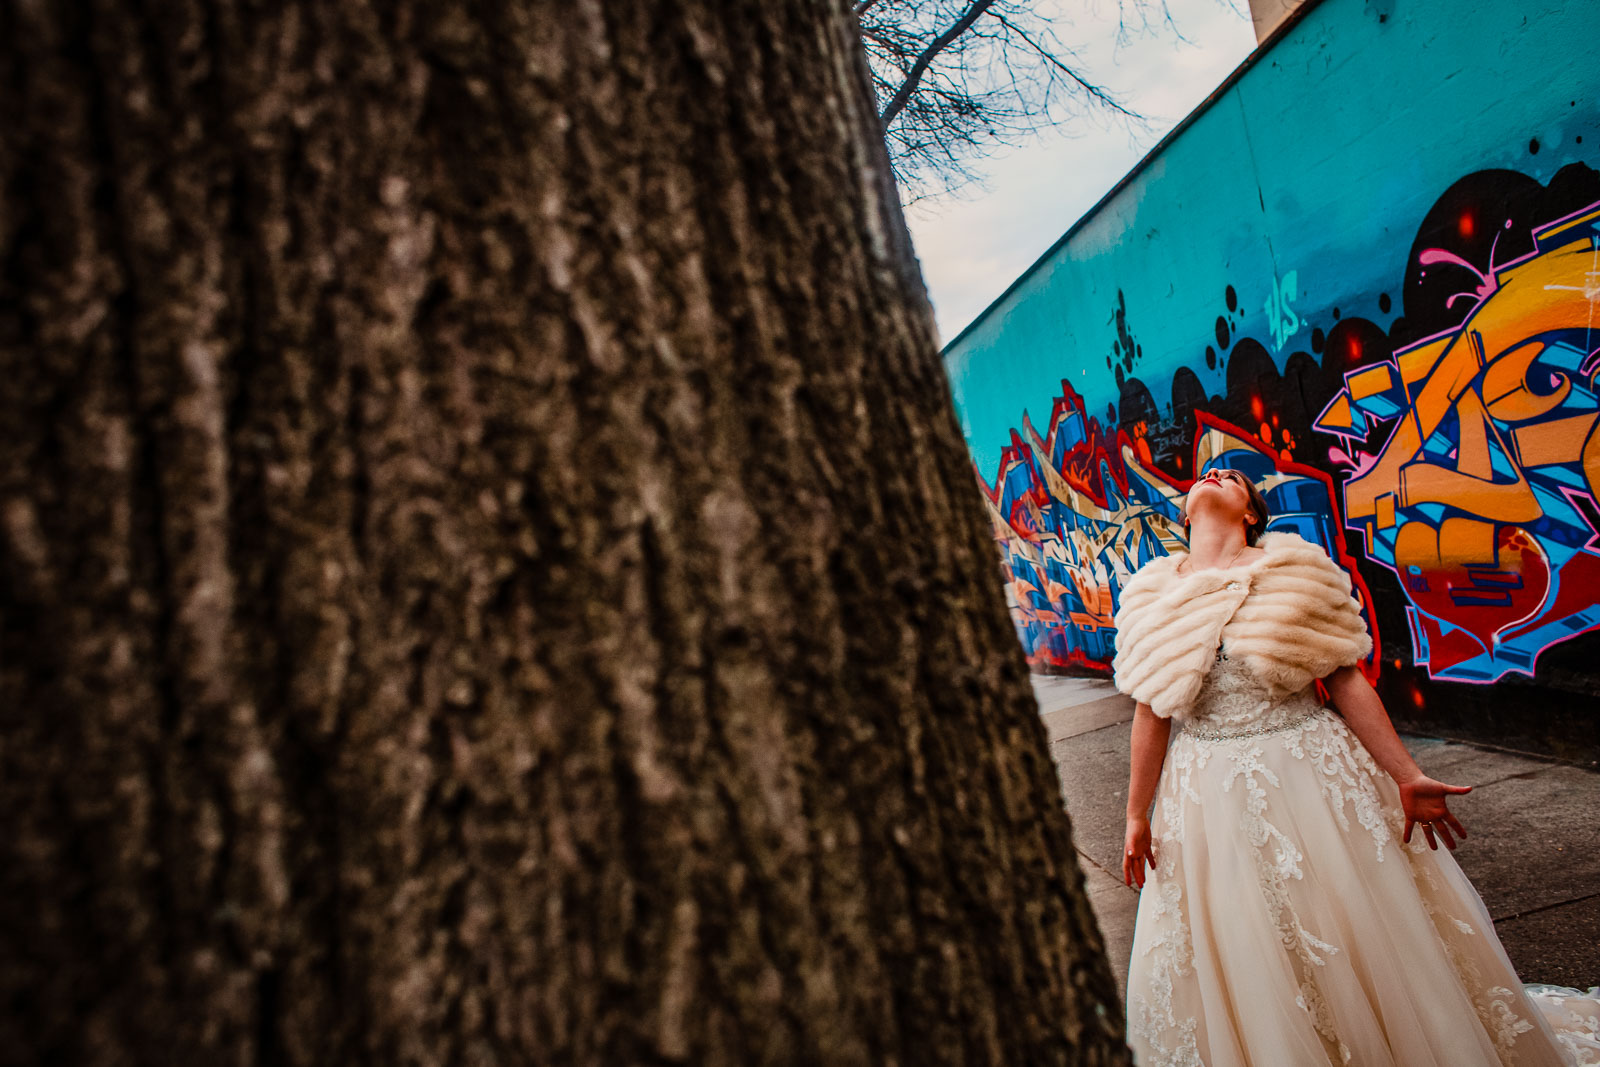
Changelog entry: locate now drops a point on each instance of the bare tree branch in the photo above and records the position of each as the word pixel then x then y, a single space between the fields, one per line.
pixel 939 44
pixel 957 78
pixel 1049 57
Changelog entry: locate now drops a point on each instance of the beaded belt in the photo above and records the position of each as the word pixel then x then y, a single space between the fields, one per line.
pixel 1223 733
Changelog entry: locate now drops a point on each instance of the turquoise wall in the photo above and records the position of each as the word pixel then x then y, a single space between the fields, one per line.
pixel 1303 280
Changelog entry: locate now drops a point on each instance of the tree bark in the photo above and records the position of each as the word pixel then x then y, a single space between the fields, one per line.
pixel 491 573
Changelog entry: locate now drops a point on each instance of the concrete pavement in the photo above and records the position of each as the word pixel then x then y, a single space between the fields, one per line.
pixel 1533 851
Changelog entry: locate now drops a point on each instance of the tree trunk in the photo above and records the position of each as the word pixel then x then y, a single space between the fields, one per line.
pixel 491 573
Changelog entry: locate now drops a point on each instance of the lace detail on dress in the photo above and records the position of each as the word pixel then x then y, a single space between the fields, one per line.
pixel 1347 775
pixel 1574 1015
pixel 1232 717
pixel 1493 1004
pixel 1170 952
pixel 1505 1024
pixel 1277 860
pixel 1233 698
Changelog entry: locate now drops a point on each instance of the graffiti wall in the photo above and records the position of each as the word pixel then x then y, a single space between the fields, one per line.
pixel 1367 272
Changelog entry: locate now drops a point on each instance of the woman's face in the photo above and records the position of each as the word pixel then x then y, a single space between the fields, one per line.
pixel 1221 492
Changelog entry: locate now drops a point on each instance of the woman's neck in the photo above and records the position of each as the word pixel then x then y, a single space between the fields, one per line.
pixel 1214 546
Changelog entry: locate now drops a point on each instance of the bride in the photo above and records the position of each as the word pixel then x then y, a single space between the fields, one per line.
pixel 1290 914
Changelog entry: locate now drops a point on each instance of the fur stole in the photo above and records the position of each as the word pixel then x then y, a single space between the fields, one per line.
pixel 1289 615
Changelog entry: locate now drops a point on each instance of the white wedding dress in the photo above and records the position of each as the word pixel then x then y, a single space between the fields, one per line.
pixel 1286 925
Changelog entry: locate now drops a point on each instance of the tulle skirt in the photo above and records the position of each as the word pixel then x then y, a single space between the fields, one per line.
pixel 1285 923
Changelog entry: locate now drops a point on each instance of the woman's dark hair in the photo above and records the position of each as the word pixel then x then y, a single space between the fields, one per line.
pixel 1257 505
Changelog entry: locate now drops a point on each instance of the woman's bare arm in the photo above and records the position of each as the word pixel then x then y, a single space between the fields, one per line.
pixel 1356 700
pixel 1422 797
pixel 1150 734
pixel 1149 752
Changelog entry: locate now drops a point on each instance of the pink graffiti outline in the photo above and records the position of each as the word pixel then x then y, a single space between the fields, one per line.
pixel 1573 496
pixel 1488 283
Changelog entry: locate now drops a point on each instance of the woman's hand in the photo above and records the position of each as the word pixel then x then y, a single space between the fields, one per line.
pixel 1424 802
pixel 1136 852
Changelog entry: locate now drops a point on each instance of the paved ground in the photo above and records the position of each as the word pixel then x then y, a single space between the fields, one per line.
pixel 1533 853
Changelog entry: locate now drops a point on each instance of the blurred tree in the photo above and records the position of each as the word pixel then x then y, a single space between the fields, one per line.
pixel 489 569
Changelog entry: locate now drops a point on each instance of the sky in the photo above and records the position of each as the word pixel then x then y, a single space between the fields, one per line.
pixel 974 244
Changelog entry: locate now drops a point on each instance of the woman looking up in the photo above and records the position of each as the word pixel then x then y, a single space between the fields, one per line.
pixel 1289 914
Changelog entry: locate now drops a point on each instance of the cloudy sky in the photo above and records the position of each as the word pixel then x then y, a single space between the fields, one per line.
pixel 974 245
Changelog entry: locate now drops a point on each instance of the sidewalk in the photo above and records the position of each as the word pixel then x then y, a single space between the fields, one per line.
pixel 1533 853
